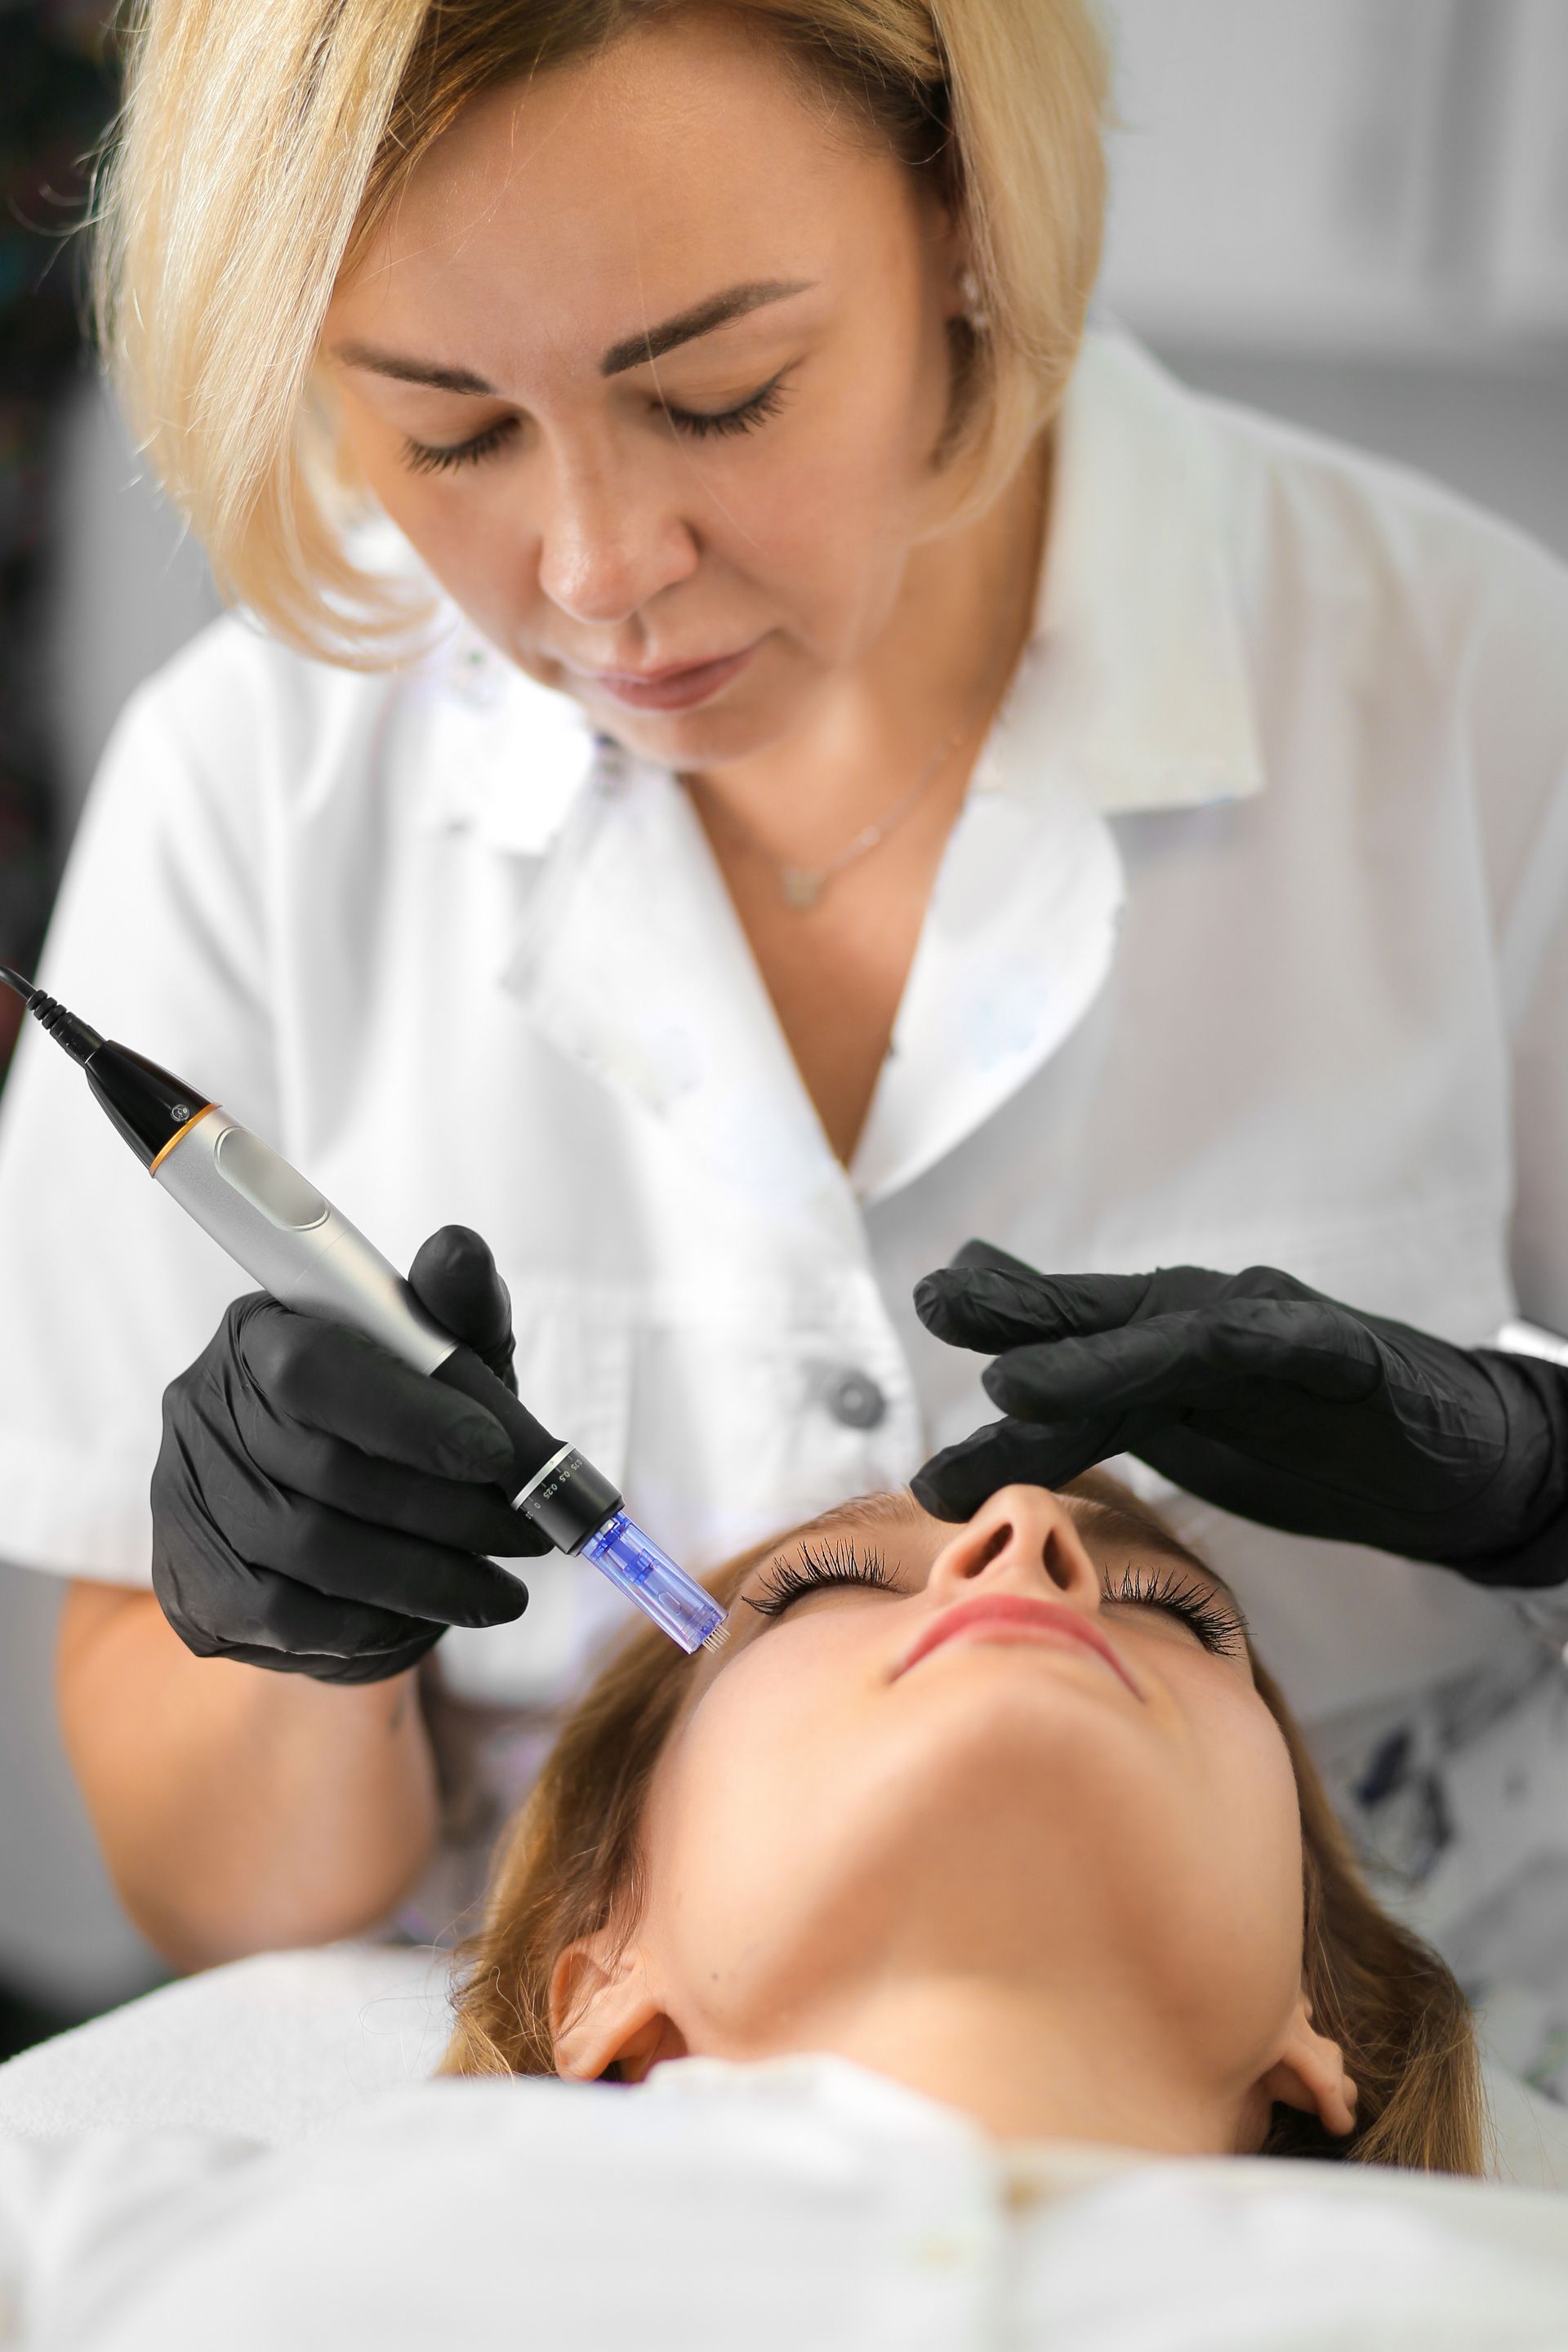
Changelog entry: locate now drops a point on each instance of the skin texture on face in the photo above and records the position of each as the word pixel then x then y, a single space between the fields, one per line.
pixel 998 1810
pixel 591 521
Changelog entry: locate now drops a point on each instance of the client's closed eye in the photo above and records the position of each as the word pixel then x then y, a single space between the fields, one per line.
pixel 837 1563
pixel 814 1567
pixel 1198 1606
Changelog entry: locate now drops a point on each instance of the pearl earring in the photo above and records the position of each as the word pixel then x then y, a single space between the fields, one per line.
pixel 974 311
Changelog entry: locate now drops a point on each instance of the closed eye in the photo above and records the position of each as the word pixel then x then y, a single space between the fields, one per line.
pixel 695 423
pixel 748 414
pixel 438 457
pixel 1219 1628
pixel 815 1566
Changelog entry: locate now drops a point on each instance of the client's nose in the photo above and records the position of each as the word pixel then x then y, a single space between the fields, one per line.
pixel 1022 1540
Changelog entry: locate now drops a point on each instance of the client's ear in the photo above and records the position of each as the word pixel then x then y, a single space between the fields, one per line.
pixel 603 2013
pixel 1310 2074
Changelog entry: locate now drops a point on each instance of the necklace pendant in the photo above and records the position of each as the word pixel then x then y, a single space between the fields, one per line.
pixel 802 887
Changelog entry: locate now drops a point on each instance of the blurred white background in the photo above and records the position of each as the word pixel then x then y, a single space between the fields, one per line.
pixel 1351 213
pixel 1355 213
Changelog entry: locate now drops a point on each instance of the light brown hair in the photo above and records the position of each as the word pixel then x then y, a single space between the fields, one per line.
pixel 261 143
pixel 573 1866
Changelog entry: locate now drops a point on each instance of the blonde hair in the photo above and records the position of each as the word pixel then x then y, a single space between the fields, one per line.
pixel 572 1867
pixel 261 143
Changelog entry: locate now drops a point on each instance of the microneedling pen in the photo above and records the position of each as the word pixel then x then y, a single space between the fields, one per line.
pixel 295 1245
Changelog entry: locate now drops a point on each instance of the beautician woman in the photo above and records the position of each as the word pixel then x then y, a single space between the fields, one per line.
pixel 750 748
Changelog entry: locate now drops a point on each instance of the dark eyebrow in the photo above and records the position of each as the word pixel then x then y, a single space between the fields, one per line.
pixel 633 351
pixel 700 320
pixel 401 371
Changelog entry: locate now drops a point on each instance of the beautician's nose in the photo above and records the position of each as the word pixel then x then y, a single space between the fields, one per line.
pixel 609 542
pixel 1022 1540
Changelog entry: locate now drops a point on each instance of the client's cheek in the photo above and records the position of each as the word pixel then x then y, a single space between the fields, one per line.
pixel 750 1753
pixel 747 1810
pixel 1234 1730
pixel 1243 1789
pixel 1259 1813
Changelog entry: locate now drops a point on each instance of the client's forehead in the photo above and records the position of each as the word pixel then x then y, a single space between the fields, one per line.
pixel 865 1514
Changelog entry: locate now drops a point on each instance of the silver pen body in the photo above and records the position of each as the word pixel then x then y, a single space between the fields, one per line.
pixel 290 1240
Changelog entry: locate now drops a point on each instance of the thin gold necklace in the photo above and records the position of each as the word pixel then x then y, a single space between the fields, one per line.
pixel 802 885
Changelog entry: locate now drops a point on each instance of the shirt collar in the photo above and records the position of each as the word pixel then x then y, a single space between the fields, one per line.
pixel 1135 683
pixel 508 758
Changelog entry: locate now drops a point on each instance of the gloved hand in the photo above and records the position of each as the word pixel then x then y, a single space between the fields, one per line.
pixel 321 1508
pixel 1263 1396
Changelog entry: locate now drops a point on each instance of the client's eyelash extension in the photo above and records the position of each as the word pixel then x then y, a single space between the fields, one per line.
pixel 815 1565
pixel 1219 1629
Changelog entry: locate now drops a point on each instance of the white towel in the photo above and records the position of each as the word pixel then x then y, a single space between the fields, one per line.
pixel 269 2049
pixel 797 2202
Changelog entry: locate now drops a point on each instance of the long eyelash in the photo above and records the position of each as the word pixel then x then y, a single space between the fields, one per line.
pixel 425 458
pixel 815 1565
pixel 744 419
pixel 1219 1629
pixel 428 457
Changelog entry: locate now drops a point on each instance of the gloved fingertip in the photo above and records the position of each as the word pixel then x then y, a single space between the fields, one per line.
pixel 486 1595
pixel 931 1495
pixel 508 1602
pixel 455 1275
pixel 458 1250
pixel 930 1294
pixel 959 1306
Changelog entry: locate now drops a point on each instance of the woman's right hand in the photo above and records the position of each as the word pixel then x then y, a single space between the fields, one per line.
pixel 319 1507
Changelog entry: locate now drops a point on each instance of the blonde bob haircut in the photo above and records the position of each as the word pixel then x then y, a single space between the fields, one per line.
pixel 262 142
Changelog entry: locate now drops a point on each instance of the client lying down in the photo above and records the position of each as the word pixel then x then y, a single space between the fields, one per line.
pixel 1009 1813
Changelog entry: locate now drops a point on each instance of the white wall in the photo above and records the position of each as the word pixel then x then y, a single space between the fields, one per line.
pixel 1343 176
pixel 1355 213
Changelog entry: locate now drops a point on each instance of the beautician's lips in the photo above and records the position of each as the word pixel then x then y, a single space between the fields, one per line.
pixel 676 688
pixel 1002 1617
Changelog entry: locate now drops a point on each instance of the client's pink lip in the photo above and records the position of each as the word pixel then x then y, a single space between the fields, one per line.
pixel 1002 1617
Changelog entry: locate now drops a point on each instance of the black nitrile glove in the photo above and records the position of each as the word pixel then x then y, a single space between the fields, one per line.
pixel 320 1508
pixel 1263 1396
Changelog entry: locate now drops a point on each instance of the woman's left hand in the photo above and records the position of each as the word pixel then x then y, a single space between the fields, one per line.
pixel 1263 1396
